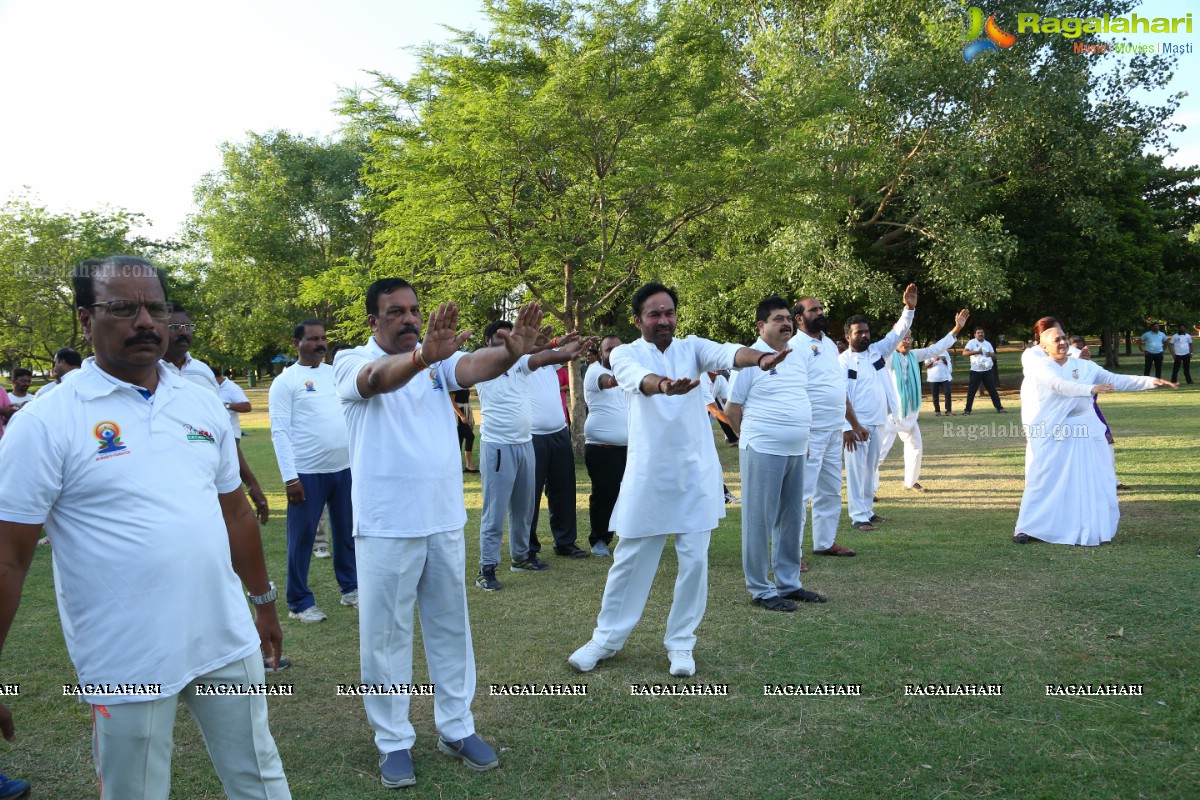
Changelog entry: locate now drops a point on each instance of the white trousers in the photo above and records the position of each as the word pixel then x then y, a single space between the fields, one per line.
pixel 910 433
pixel 823 486
pixel 132 742
pixel 393 574
pixel 635 561
pixel 861 465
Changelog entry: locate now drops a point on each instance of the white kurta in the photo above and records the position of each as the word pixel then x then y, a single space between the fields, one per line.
pixel 1070 487
pixel 672 480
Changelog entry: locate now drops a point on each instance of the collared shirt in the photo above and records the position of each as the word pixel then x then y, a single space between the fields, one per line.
pixel 308 427
pixel 1182 342
pixel 981 354
pixel 826 380
pixel 504 406
pixel 128 492
pixel 1154 342
pixel 872 393
pixel 195 371
pixel 403 449
pixel 673 477
pixel 776 412
pixel 608 410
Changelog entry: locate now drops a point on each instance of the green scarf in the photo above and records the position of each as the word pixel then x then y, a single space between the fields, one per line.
pixel 908 381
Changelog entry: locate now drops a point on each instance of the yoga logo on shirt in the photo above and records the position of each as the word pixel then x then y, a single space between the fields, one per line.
pixel 195 434
pixel 436 381
pixel 308 386
pixel 108 434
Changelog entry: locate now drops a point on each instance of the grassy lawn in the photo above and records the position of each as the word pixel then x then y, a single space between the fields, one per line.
pixel 938 595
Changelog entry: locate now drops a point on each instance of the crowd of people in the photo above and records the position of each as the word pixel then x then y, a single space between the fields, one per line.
pixel 369 440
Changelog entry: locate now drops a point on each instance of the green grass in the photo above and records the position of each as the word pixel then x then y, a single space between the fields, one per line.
pixel 938 594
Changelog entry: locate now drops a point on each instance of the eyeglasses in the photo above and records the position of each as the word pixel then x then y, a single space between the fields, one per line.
pixel 181 327
pixel 128 309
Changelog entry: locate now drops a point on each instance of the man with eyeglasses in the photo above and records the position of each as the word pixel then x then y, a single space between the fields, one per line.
pixel 133 472
pixel 178 355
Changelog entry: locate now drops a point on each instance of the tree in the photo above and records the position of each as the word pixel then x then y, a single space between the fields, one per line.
pixel 556 157
pixel 39 250
pixel 282 211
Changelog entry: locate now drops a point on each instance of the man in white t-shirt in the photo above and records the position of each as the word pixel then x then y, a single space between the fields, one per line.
pixel 234 400
pixel 66 361
pixel 1152 343
pixel 672 482
pixel 507 456
pixel 771 415
pixel 983 371
pixel 133 472
pixel 873 396
pixel 312 447
pixel 1181 351
pixel 179 358
pixel 409 513
pixel 20 394
pixel 605 443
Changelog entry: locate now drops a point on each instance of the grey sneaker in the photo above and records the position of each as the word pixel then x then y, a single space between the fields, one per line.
pixel 474 752
pixel 486 579
pixel 321 551
pixel 350 599
pixel 682 663
pixel 587 657
pixel 600 549
pixel 396 769
pixel 310 614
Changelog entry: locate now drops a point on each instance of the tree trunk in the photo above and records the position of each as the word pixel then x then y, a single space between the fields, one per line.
pixel 1128 343
pixel 1108 337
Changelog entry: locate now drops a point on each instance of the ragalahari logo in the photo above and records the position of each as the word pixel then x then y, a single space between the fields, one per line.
pixel 985 36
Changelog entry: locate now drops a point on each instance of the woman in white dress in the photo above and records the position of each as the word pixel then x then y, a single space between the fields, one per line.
pixel 1070 486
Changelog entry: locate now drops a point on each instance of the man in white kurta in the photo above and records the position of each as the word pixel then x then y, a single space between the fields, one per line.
pixel 873 397
pixel 771 414
pixel 905 373
pixel 409 514
pixel 1070 488
pixel 672 481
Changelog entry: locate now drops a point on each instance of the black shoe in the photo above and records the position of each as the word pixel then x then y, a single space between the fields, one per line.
pixel 1021 538
pixel 805 596
pixel 775 603
pixel 572 552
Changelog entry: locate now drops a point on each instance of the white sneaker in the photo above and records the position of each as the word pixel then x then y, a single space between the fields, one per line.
pixel 600 549
pixel 310 614
pixel 321 551
pixel 587 657
pixel 682 663
pixel 350 599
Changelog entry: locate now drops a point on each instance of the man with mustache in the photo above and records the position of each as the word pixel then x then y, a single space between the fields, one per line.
pixel 179 357
pixel 134 474
pixel 873 396
pixel 312 446
pixel 772 415
pixel 834 426
pixel 410 513
pixel 672 481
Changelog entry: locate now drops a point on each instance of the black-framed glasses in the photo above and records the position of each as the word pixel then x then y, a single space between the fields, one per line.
pixel 181 327
pixel 128 309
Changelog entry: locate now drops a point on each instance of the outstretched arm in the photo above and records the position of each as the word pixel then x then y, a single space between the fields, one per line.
pixel 491 362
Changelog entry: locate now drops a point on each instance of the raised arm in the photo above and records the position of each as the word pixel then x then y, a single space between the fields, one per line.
pixel 491 362
pixel 888 343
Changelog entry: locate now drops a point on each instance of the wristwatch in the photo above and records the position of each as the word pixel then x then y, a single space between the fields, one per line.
pixel 263 599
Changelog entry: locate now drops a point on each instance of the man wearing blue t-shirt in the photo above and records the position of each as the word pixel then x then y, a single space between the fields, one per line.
pixel 1152 343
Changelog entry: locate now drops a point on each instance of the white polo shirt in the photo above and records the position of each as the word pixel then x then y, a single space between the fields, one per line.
pixel 195 371
pixel 776 412
pixel 673 477
pixel 608 411
pixel 231 393
pixel 981 354
pixel 308 427
pixel 127 488
pixel 826 380
pixel 403 449
pixel 942 369
pixel 1182 342
pixel 505 407
pixel 545 401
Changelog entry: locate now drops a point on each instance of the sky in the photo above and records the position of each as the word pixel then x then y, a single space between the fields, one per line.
pixel 125 103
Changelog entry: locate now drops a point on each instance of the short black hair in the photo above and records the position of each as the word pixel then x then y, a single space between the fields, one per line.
pixel 798 309
pixel 648 291
pixel 83 277
pixel 22 372
pixel 298 331
pixel 768 304
pixel 70 356
pixel 492 327
pixel 177 308
pixel 857 319
pixel 384 286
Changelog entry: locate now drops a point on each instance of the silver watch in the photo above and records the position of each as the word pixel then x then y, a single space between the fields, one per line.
pixel 263 599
